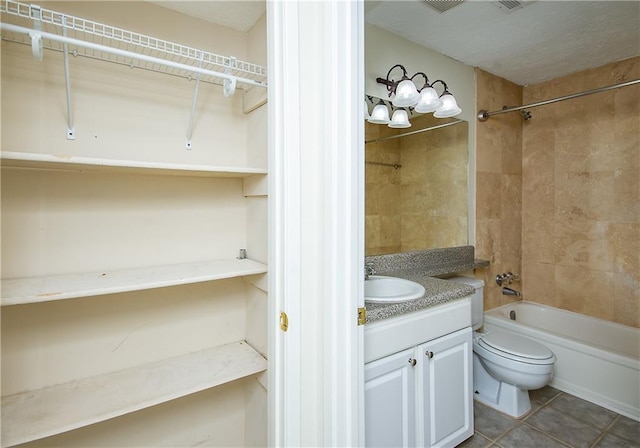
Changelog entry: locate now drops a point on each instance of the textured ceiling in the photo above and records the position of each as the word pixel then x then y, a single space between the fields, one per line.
pixel 544 40
pixel 240 15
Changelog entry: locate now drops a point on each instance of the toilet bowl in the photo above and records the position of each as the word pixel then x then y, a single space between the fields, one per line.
pixel 505 366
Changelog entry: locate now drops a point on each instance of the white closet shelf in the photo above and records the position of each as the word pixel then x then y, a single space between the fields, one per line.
pixel 53 410
pixel 40 27
pixel 18 291
pixel 89 164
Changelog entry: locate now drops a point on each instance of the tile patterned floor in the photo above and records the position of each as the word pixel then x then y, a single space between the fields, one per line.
pixel 556 420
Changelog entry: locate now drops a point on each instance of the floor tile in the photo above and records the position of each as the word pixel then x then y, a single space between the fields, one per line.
pixel 524 436
pixel 627 429
pixel 543 395
pixel 564 427
pixel 476 441
pixel 491 423
pixel 611 441
pixel 584 411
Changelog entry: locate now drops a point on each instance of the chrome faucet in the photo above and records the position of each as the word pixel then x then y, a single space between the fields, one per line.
pixel 510 292
pixel 368 270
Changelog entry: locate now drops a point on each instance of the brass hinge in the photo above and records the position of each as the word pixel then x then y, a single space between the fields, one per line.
pixel 362 316
pixel 284 321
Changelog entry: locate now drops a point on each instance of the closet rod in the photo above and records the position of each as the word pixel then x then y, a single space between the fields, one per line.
pixel 414 132
pixel 127 54
pixel 483 115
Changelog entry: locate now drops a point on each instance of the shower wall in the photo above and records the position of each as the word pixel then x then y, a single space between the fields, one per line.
pixel 498 185
pixel 581 194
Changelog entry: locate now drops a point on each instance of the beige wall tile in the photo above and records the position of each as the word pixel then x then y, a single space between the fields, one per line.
pixel 488 195
pixel 498 185
pixel 581 172
pixel 582 243
pixel 585 291
pixel 511 197
pixel 539 284
pixel 627 300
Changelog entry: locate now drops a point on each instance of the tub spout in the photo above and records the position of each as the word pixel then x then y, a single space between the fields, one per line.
pixel 510 292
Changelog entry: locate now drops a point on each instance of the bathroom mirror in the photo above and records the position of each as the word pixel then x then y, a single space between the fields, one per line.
pixel 417 187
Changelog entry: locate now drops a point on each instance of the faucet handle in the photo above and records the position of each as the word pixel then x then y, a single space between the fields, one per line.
pixel 369 270
pixel 507 278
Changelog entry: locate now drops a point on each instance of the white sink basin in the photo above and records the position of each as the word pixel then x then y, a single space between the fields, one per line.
pixel 378 288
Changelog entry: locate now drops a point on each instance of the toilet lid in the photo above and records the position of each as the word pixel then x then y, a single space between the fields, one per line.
pixel 516 345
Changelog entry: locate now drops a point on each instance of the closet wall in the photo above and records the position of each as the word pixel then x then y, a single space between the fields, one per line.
pixel 60 221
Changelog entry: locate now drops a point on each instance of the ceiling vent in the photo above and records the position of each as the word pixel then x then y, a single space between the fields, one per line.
pixel 442 5
pixel 511 5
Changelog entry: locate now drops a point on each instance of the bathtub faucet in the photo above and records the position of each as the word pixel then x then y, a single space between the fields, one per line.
pixel 510 292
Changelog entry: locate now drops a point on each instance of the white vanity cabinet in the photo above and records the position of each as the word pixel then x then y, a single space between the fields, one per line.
pixel 446 381
pixel 418 378
pixel 390 400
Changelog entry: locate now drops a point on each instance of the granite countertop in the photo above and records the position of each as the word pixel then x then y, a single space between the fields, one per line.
pixel 437 291
pixel 421 267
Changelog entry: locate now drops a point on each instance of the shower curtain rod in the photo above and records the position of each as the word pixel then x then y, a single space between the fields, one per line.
pixel 376 140
pixel 483 115
pixel 394 165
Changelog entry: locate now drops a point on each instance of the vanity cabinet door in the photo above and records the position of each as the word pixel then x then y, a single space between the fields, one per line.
pixel 389 387
pixel 447 383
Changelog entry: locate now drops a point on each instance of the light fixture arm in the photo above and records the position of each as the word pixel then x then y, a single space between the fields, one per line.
pixel 426 80
pixel 444 84
pixel 390 83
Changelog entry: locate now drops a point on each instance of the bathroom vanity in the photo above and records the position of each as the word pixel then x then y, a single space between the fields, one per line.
pixel 418 353
pixel 418 377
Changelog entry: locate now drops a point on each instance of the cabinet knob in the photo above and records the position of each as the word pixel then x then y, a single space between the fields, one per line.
pixel 412 361
pixel 428 354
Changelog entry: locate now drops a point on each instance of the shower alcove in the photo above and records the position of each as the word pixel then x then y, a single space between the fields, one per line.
pixel 129 187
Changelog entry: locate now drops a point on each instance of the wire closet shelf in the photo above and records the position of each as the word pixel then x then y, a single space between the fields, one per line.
pixel 41 28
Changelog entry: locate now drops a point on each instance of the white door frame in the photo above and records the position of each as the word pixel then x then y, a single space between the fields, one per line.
pixel 316 221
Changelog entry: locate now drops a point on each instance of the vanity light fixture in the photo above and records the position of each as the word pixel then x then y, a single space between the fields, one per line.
pixel 449 107
pixel 404 93
pixel 379 114
pixel 400 119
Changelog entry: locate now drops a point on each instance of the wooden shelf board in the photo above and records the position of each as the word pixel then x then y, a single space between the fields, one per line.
pixel 75 163
pixel 53 410
pixel 59 287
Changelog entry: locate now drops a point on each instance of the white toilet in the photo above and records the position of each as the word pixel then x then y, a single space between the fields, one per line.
pixel 505 366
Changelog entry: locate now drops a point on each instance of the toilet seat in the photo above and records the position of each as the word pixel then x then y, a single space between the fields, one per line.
pixel 515 348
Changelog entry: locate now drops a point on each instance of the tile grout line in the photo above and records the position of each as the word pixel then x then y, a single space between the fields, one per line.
pixel 544 405
pixel 494 442
pixel 606 430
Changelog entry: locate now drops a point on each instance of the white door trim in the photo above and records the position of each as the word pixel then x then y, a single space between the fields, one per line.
pixel 316 216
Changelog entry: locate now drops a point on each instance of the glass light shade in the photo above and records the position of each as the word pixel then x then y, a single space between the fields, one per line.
pixel 379 115
pixel 449 107
pixel 429 101
pixel 406 94
pixel 366 111
pixel 400 119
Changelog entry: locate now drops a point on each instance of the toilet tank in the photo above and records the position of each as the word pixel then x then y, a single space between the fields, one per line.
pixel 477 316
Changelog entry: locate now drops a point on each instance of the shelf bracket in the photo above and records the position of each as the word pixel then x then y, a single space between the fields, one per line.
pixel 229 85
pixel 36 38
pixel 71 133
pixel 194 103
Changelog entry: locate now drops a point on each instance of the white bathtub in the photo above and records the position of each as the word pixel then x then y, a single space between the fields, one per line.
pixel 597 360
